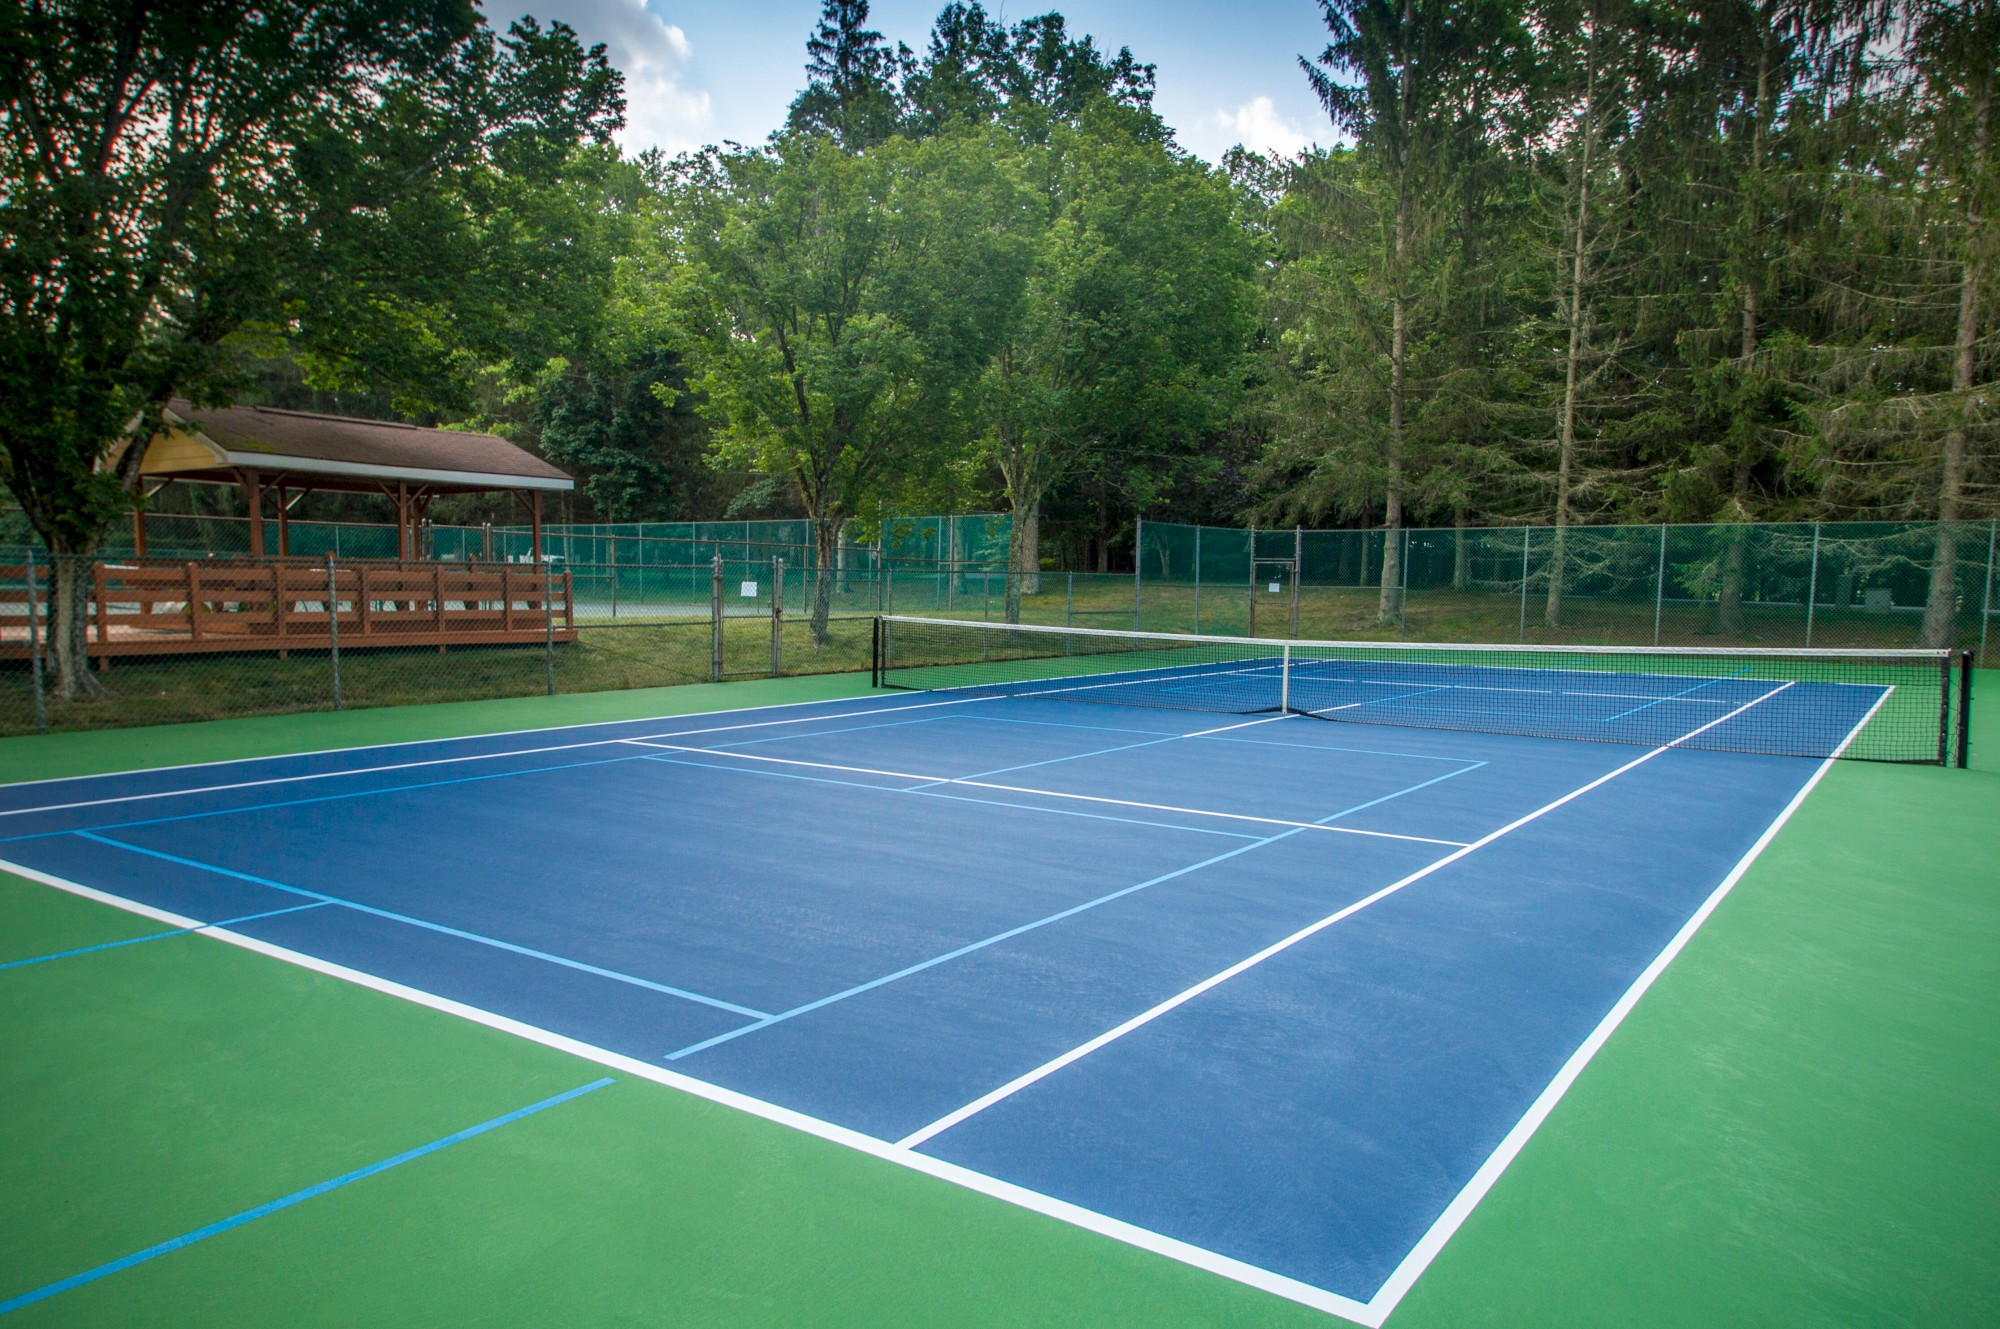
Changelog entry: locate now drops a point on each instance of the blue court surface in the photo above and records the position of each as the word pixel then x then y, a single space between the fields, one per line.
pixel 1273 996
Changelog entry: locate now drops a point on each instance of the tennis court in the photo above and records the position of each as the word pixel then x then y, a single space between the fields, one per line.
pixel 1274 997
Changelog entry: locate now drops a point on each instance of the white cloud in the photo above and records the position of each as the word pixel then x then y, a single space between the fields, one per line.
pixel 1257 125
pixel 662 110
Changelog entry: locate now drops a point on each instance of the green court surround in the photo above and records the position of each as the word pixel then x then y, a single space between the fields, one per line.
pixel 1799 1124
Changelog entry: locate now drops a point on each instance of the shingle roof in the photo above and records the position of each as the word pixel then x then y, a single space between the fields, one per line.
pixel 341 444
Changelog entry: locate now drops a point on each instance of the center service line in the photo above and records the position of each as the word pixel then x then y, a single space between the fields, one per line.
pixel 1056 917
pixel 1050 1067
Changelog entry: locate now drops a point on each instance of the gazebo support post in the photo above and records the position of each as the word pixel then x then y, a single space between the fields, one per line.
pixel 253 499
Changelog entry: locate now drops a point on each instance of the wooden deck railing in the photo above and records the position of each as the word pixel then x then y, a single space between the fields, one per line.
pixel 145 607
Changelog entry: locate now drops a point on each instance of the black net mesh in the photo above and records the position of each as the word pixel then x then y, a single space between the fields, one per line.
pixel 1872 705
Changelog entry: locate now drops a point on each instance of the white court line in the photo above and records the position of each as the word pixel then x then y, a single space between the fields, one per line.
pixel 1298 673
pixel 447 761
pixel 418 742
pixel 1371 1313
pixel 1181 998
pixel 1076 1215
pixel 1406 1273
pixel 895 704
pixel 733 755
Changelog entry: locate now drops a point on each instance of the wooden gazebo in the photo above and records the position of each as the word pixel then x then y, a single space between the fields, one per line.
pixel 272 602
pixel 275 458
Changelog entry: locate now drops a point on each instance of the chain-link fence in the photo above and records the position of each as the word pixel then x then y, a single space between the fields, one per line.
pixel 975 541
pixel 1834 584
pixel 633 616
pixel 155 641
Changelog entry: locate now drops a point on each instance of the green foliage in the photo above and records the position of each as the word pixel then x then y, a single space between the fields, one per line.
pixel 364 180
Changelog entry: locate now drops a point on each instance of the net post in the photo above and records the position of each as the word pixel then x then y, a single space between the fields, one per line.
pixel 1197 580
pixel 35 645
pixel 1069 598
pixel 1527 532
pixel 1812 586
pixel 1944 710
pixel 715 617
pixel 1964 709
pixel 333 627
pixel 875 652
pixel 1285 680
pixel 1138 566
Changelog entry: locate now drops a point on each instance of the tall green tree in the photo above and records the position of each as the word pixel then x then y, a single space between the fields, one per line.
pixel 1377 237
pixel 854 83
pixel 1128 346
pixel 1596 67
pixel 177 174
pixel 844 301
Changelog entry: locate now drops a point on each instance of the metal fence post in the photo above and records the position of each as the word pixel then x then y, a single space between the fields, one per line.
pixel 1403 598
pixel 1812 585
pixel 1298 571
pixel 1527 534
pixel 1251 554
pixel 1069 599
pixel 35 646
pixel 1986 605
pixel 1659 584
pixel 549 625
pixel 715 618
pixel 1138 566
pixel 1197 581
pixel 333 628
pixel 777 616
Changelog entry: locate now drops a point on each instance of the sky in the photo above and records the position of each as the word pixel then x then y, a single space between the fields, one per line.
pixel 706 71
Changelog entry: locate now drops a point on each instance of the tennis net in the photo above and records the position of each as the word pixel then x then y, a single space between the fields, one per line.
pixel 1880 705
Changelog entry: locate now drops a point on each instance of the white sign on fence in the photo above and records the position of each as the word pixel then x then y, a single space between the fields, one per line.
pixel 749 590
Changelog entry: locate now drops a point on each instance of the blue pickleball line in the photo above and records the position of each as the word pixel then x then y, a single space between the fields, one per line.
pixel 158 936
pixel 48 1290
pixel 429 926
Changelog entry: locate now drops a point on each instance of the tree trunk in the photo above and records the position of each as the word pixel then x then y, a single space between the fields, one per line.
pixel 1031 552
pixel 1577 239
pixel 1729 600
pixel 826 540
pixel 1941 605
pixel 1389 603
pixel 70 677
pixel 1023 547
